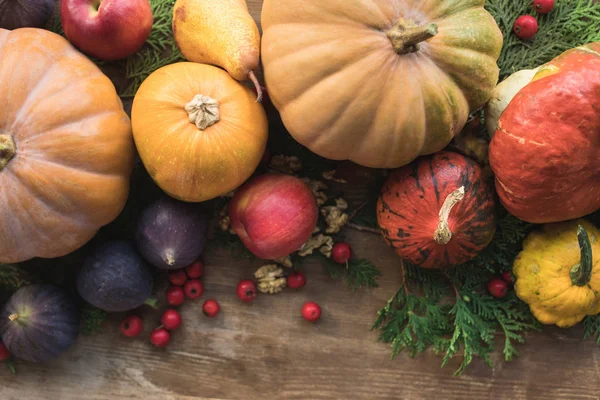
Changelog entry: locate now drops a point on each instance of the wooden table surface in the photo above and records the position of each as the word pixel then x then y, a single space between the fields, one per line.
pixel 265 350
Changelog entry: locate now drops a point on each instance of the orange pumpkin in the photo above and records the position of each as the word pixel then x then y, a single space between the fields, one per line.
pixel 66 148
pixel 378 82
pixel 199 132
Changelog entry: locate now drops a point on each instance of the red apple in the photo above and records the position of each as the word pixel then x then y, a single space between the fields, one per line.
pixel 273 215
pixel 107 29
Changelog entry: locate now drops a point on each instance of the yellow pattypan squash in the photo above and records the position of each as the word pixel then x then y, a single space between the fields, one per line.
pixel 558 272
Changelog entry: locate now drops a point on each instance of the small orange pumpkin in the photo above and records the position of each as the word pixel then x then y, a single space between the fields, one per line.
pixel 199 132
pixel 66 148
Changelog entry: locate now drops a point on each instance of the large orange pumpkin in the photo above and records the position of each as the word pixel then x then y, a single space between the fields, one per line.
pixel 66 149
pixel 378 82
pixel 199 132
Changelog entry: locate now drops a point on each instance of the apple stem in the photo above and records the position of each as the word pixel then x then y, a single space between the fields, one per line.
pixel 259 91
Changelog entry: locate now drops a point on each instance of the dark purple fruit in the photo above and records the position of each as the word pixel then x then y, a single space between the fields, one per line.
pixel 25 13
pixel 171 234
pixel 38 323
pixel 115 278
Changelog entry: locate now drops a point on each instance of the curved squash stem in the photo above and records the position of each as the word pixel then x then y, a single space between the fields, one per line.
pixel 406 36
pixel 582 272
pixel 443 234
pixel 8 149
pixel 259 91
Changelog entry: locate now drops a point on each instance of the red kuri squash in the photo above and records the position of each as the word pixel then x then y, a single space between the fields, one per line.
pixel 66 148
pixel 438 211
pixel 546 151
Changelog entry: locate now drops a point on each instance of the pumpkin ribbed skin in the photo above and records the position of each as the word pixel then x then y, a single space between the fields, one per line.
pixel 47 324
pixel 546 152
pixel 408 210
pixel 345 93
pixel 74 147
pixel 542 271
pixel 191 164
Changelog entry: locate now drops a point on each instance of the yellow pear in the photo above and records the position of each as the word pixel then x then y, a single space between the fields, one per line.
pixel 221 33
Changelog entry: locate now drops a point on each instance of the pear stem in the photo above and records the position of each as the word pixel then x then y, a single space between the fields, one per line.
pixel 259 92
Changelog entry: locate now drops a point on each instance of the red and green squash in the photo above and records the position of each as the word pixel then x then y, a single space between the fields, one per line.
pixel 438 211
pixel 545 153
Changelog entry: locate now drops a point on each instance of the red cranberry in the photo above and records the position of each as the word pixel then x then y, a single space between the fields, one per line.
pixel 341 253
pixel 507 276
pixel 525 27
pixel 296 280
pixel 211 308
pixel 171 320
pixel 177 277
pixel 160 337
pixel 543 6
pixel 246 290
pixel 196 270
pixel 311 311
pixel 193 289
pixel 498 288
pixel 132 326
pixel 175 296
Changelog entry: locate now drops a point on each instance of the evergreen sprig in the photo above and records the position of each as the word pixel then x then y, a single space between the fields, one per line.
pixel 571 23
pixel 358 273
pixel 91 319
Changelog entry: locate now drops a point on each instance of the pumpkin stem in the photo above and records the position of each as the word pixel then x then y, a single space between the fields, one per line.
pixel 203 111
pixel 259 92
pixel 13 317
pixel 406 35
pixel 582 272
pixel 443 234
pixel 8 149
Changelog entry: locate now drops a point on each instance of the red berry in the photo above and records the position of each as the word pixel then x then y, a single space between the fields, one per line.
pixel 193 289
pixel 498 288
pixel 160 337
pixel 341 253
pixel 296 280
pixel 507 276
pixel 543 6
pixel 525 27
pixel 177 277
pixel 246 290
pixel 171 320
pixel 4 353
pixel 132 326
pixel 211 308
pixel 196 270
pixel 311 311
pixel 175 296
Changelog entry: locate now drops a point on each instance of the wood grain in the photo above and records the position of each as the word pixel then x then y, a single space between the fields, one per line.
pixel 265 350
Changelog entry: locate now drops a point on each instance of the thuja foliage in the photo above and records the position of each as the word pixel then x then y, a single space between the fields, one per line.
pixel 570 24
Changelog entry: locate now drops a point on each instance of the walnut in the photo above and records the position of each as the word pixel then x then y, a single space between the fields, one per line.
pixel 335 217
pixel 285 164
pixel 322 242
pixel 270 278
pixel 318 189
pixel 224 221
pixel 284 261
pixel 330 176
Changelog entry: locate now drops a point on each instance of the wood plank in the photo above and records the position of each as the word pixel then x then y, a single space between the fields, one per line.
pixel 266 350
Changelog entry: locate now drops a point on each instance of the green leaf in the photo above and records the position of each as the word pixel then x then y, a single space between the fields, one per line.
pixel 91 319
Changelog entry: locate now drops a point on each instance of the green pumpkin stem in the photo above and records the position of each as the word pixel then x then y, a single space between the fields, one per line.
pixel 406 35
pixel 582 272
pixel 152 302
pixel 8 149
